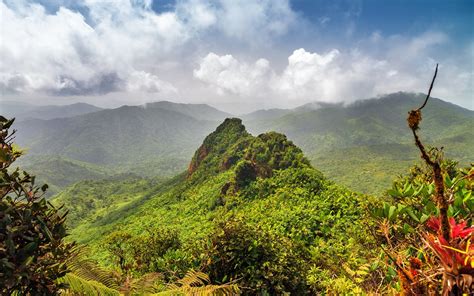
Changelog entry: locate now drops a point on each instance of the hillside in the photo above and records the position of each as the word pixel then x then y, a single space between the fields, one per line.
pixel 365 144
pixel 257 190
pixel 198 111
pixel 362 145
pixel 59 172
pixel 22 111
pixel 123 136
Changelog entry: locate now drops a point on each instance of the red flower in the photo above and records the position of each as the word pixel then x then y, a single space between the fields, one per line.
pixel 457 230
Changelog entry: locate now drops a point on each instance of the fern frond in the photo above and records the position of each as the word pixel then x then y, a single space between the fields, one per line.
pixel 80 286
pixel 194 278
pixel 143 285
pixel 87 269
pixel 197 283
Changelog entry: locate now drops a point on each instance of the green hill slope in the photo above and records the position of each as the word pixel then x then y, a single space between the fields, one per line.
pixel 366 144
pixel 362 145
pixel 235 182
pixel 59 172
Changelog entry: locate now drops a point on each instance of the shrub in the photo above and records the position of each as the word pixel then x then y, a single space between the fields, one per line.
pixel 32 249
pixel 258 260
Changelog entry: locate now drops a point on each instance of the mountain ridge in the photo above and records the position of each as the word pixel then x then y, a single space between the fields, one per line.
pixel 158 140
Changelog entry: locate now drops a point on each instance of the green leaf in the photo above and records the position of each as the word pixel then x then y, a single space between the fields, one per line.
pixel 28 261
pixel 393 193
pixel 412 215
pixel 423 218
pixel 391 213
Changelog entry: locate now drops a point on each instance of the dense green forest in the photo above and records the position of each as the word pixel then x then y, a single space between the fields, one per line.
pixel 362 146
pixel 251 214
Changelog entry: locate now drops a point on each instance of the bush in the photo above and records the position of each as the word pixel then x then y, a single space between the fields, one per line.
pixel 142 253
pixel 245 173
pixel 32 249
pixel 258 260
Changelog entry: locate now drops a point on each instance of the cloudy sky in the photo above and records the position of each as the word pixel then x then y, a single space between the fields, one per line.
pixel 238 55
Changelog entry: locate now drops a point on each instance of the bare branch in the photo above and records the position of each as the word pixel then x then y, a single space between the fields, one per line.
pixel 429 91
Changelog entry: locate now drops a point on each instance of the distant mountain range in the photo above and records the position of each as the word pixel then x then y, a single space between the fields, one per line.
pixel 23 111
pixel 362 145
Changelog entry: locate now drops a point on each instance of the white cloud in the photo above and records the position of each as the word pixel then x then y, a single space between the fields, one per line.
pixel 68 53
pixel 140 81
pixel 227 75
pixel 339 75
pixel 123 46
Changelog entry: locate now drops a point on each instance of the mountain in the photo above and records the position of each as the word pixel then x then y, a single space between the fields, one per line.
pixel 198 111
pixel 12 108
pixel 146 141
pixel 361 145
pixel 59 172
pixel 22 111
pixel 243 199
pixel 266 114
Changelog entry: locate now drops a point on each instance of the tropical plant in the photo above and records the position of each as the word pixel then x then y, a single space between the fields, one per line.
pixel 197 283
pixel 258 260
pixel 426 227
pixel 32 248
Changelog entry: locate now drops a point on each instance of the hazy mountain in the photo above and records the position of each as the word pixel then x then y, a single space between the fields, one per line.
pixel 126 136
pixel 266 114
pixel 362 145
pixel 23 111
pixel 198 111
pixel 59 172
pixel 369 141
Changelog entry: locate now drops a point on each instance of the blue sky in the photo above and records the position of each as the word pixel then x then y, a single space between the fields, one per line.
pixel 237 55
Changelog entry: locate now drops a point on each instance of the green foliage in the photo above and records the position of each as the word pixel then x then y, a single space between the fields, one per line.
pixel 80 286
pixel 406 222
pixel 257 259
pixel 303 226
pixel 197 283
pixel 91 199
pixel 143 253
pixel 32 248
pixel 59 172
pixel 245 173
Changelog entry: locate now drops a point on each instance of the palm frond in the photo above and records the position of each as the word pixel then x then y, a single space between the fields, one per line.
pixel 197 283
pixel 87 269
pixel 80 286
pixel 143 285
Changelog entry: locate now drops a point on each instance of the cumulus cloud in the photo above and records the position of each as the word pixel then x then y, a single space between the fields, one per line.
pixel 122 47
pixel 338 75
pixel 145 82
pixel 117 46
pixel 227 75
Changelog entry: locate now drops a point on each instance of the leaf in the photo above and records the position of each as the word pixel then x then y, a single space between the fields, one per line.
pixel 393 193
pixel 424 218
pixel 412 215
pixel 406 228
pixel 45 229
pixel 391 213
pixel 28 260
pixel 8 123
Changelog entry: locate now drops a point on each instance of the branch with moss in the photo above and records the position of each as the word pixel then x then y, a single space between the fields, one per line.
pixel 414 119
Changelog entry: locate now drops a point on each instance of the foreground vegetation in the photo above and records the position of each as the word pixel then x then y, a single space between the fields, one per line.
pixel 250 216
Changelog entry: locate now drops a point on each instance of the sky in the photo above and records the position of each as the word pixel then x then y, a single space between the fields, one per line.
pixel 237 55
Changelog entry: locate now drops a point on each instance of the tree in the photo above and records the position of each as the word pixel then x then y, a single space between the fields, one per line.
pixel 32 248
